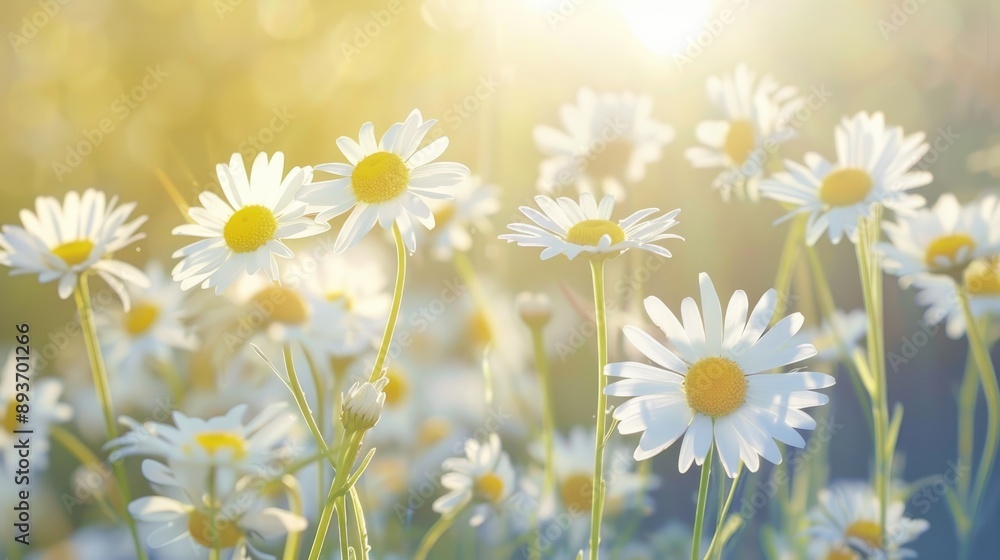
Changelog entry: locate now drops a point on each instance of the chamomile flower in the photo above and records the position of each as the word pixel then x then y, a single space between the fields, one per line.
pixel 711 386
pixel 484 477
pixel 567 227
pixel 756 115
pixel 62 241
pixel 845 526
pixel 386 181
pixel 153 328
pixel 943 239
pixel 45 410
pixel 245 232
pixel 456 220
pixel 938 293
pixel 606 142
pixel 874 166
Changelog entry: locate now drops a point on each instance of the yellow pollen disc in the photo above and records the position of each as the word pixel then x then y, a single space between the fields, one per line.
pixel 379 177
pixel 140 318
pixel 845 187
pixel 868 532
pixel 590 232
pixel 249 229
pixel 227 534
pixel 715 386
pixel 610 159
pixel 397 389
pixel 214 442
pixel 432 431
pixel 281 305
pixel 577 492
pixel 490 486
pixel 841 554
pixel 740 141
pixel 9 418
pixel 982 278
pixel 479 328
pixel 444 213
pixel 74 252
pixel 948 246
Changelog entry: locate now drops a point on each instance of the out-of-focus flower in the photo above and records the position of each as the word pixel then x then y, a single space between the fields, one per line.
pixel 981 278
pixel 570 228
pixel 484 477
pixel 92 542
pixel 61 241
pixel 943 239
pixel 710 388
pixel 837 337
pixel 456 220
pixel 44 409
pixel 756 123
pixel 873 166
pixel 844 525
pixel 606 143
pixel 363 405
pixel 245 232
pixel 535 309
pixel 385 182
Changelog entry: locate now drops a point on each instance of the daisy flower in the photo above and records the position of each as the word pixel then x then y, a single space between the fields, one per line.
pixel 844 526
pixel 756 115
pixel 151 329
pixel 838 336
pixel 242 519
pixel 388 181
pixel 710 387
pixel 456 220
pixel 565 227
pixel 484 477
pixel 244 232
pixel 606 142
pixel 873 166
pixel 62 241
pixel 943 239
pixel 46 410
pixel 938 293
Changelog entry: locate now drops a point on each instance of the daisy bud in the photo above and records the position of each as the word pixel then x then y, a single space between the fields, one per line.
pixel 363 405
pixel 535 309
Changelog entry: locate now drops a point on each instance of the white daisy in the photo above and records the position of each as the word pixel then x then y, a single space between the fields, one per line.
pixel 710 387
pixel 845 526
pixel 756 122
pixel 244 232
pixel 152 329
pixel 242 519
pixel 456 220
pixel 484 477
pixel 387 181
pixel 62 241
pixel 943 239
pixel 606 143
pixel 44 410
pixel 836 337
pixel 873 166
pixel 938 293
pixel 91 542
pixel 570 228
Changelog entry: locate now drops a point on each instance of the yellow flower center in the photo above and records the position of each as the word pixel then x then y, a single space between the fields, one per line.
pixel 281 305
pixel 226 534
pixel 490 486
pixel 868 532
pixel 249 229
pixel 479 328
pixel 140 318
pixel 9 419
pixel 841 554
pixel 432 431
pixel 715 386
pixel 379 177
pixel 610 159
pixel 845 187
pixel 982 278
pixel 74 252
pixel 948 246
pixel 444 213
pixel 397 389
pixel 214 442
pixel 334 296
pixel 740 141
pixel 577 492
pixel 590 232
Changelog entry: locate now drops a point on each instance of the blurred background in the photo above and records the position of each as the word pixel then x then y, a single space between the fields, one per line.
pixel 141 98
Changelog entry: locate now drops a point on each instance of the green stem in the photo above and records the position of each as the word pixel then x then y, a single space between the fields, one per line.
pixel 342 527
pixel 988 377
pixel 300 400
pixel 86 457
pixel 345 459
pixel 967 397
pixel 439 528
pixel 215 553
pixel 295 502
pixel 397 300
pixel 786 266
pixel 323 525
pixel 81 294
pixel 597 488
pixel 548 428
pixel 699 515
pixel 359 517
pixel 722 517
